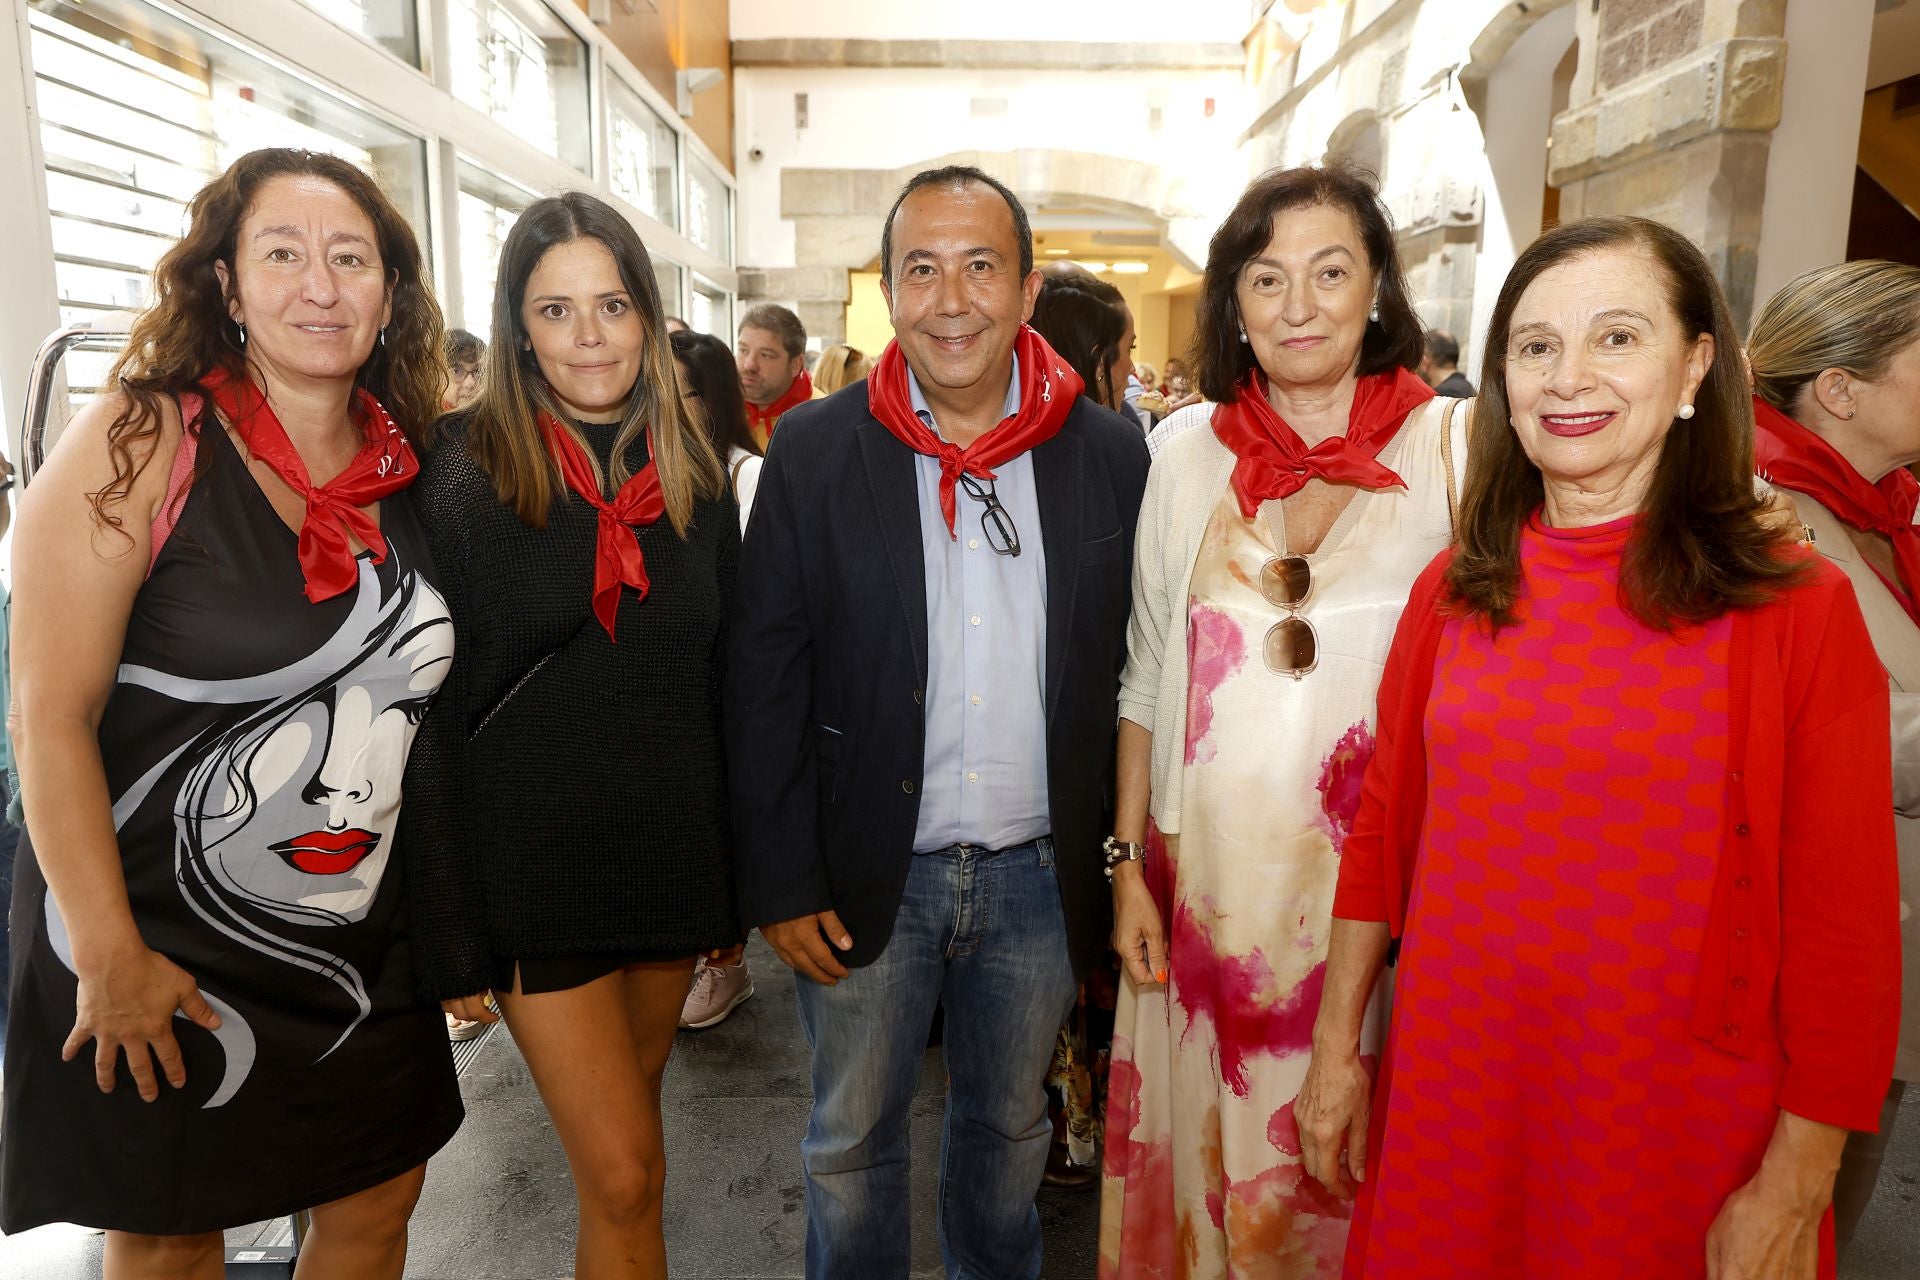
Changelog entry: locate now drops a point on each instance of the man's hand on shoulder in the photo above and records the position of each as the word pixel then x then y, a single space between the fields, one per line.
pixel 802 944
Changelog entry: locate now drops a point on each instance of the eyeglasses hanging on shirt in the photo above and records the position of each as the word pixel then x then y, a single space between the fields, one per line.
pixel 994 520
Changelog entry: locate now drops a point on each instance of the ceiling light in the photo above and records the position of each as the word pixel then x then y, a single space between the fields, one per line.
pixel 1098 268
pixel 1058 253
pixel 1130 268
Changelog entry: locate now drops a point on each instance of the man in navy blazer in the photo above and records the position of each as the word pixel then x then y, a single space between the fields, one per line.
pixel 920 705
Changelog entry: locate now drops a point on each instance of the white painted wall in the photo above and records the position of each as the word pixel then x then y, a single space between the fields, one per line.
pixel 890 118
pixel 1040 20
pixel 1811 160
pixel 1515 128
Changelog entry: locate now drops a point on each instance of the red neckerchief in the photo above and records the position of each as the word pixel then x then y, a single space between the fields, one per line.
pixel 1274 462
pixel 1789 455
pixel 1048 388
pixel 617 560
pixel 384 465
pixel 764 420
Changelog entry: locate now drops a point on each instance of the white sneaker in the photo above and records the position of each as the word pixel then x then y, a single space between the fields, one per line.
pixel 717 991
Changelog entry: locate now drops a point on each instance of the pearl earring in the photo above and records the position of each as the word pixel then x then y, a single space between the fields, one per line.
pixel 1243 335
pixel 1686 411
pixel 1374 315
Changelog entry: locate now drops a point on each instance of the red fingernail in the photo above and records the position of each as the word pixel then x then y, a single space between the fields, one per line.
pixel 1160 976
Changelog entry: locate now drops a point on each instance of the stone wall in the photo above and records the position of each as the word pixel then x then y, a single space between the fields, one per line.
pixel 1685 94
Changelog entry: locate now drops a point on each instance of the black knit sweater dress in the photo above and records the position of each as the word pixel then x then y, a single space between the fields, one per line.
pixel 566 795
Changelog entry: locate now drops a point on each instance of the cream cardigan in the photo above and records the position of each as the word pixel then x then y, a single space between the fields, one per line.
pixel 1189 474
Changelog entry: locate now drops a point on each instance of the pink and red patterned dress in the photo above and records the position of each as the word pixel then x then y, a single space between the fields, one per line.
pixel 1546 1110
pixel 1203 1176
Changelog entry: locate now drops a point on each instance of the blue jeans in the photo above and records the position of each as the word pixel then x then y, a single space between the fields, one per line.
pixel 983 933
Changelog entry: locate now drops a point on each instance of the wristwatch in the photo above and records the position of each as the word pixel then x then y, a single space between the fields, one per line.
pixel 1119 851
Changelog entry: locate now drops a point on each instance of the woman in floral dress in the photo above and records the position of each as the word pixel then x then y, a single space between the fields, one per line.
pixel 1279 538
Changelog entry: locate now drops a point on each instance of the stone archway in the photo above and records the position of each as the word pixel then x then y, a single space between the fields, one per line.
pixel 837 216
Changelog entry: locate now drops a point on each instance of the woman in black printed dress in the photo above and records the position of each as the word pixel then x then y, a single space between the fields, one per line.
pixel 226 628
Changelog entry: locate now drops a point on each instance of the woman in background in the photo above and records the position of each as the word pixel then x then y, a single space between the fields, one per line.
pixel 1836 360
pixel 839 366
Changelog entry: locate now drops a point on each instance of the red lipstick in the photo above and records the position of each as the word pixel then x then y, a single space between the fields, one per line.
pixel 328 853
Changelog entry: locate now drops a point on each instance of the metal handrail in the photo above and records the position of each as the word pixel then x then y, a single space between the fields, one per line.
pixel 108 333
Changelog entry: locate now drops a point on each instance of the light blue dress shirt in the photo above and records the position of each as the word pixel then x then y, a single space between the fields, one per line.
pixel 985 777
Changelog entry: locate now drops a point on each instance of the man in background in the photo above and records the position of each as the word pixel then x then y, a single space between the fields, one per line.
pixel 772 355
pixel 1441 366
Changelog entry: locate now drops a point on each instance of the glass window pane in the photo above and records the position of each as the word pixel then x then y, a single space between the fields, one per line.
pixel 709 211
pixel 489 206
pixel 668 275
pixel 391 24
pixel 516 61
pixel 710 310
pixel 644 150
pixel 139 110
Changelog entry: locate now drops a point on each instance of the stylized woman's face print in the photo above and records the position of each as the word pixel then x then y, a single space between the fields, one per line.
pixel 314 807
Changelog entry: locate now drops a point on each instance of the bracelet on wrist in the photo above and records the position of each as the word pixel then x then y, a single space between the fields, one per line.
pixel 1115 851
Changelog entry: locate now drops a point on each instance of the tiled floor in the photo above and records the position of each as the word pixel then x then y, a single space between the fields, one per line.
pixel 498 1205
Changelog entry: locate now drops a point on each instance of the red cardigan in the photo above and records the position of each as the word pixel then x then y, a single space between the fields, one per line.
pixel 1803 940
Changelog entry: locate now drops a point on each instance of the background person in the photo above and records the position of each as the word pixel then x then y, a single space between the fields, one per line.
pixel 1284 522
pixel 772 357
pixel 568 814
pixel 1631 820
pixel 920 680
pixel 1086 321
pixel 465 351
pixel 1836 359
pixel 838 366
pixel 713 389
pixel 214 1020
pixel 1440 366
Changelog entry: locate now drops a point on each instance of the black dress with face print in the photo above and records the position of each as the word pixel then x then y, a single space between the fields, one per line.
pixel 254 746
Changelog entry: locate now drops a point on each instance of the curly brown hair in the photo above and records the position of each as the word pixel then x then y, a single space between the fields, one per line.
pixel 187 333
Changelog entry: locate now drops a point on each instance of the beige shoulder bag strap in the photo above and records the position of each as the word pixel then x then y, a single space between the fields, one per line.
pixel 1446 460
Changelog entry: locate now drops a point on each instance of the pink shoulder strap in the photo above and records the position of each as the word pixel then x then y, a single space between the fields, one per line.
pixel 179 479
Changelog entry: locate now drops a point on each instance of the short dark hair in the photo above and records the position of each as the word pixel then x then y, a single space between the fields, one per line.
pixel 779 322
pixel 1395 340
pixel 463 347
pixel 715 378
pixel 1702 545
pixel 958 175
pixel 1441 348
pixel 1083 318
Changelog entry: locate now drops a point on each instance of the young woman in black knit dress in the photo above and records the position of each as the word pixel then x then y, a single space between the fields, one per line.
pixel 566 800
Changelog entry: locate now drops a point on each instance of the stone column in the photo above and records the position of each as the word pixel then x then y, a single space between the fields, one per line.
pixel 1682 99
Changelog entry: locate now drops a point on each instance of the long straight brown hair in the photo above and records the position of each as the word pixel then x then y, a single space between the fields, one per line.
pixel 1701 546
pixel 503 430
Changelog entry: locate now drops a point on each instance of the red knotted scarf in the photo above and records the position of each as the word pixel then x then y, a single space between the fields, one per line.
pixel 1789 455
pixel 384 465
pixel 617 560
pixel 1048 388
pixel 1275 462
pixel 764 420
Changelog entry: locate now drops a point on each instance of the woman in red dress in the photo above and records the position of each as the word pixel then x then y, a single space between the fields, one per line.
pixel 1628 820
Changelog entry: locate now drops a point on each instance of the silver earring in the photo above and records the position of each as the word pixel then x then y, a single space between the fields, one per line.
pixel 1374 315
pixel 1850 414
pixel 1686 411
pixel 1243 335
pixel 383 335
pixel 243 332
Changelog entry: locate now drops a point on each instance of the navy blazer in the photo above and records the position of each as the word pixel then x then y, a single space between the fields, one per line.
pixel 827 666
